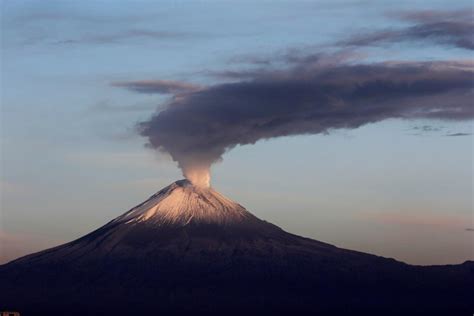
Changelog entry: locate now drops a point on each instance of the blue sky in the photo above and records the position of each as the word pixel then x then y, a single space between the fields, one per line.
pixel 71 159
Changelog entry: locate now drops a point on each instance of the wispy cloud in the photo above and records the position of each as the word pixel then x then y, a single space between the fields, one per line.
pixel 458 134
pixel 451 28
pixel 64 28
pixel 157 86
pixel 313 55
pixel 58 15
pixel 122 36
pixel 428 128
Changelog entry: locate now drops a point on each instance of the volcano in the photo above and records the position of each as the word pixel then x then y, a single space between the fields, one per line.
pixel 190 250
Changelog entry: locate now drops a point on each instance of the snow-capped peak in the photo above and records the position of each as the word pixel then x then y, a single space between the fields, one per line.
pixel 182 203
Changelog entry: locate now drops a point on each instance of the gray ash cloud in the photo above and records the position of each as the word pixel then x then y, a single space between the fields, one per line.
pixel 311 92
pixel 197 127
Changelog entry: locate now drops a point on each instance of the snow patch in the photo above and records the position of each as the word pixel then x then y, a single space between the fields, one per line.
pixel 182 203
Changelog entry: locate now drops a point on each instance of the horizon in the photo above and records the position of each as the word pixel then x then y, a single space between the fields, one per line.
pixel 87 130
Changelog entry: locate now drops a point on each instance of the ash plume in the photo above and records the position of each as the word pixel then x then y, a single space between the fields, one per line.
pixel 306 97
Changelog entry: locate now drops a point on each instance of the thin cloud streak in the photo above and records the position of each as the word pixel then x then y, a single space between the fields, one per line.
pixel 123 36
pixel 452 28
pixel 428 128
pixel 458 134
pixel 157 86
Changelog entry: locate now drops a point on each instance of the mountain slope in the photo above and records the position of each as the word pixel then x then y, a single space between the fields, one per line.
pixel 191 249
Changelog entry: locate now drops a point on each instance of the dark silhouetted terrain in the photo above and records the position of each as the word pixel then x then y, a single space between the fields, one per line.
pixel 191 251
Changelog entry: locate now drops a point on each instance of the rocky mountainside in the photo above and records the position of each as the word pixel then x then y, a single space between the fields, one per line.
pixel 189 249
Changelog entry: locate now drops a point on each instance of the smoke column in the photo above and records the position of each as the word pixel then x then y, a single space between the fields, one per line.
pixel 308 96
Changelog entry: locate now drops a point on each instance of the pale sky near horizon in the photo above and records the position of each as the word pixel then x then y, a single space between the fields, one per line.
pixel 71 160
